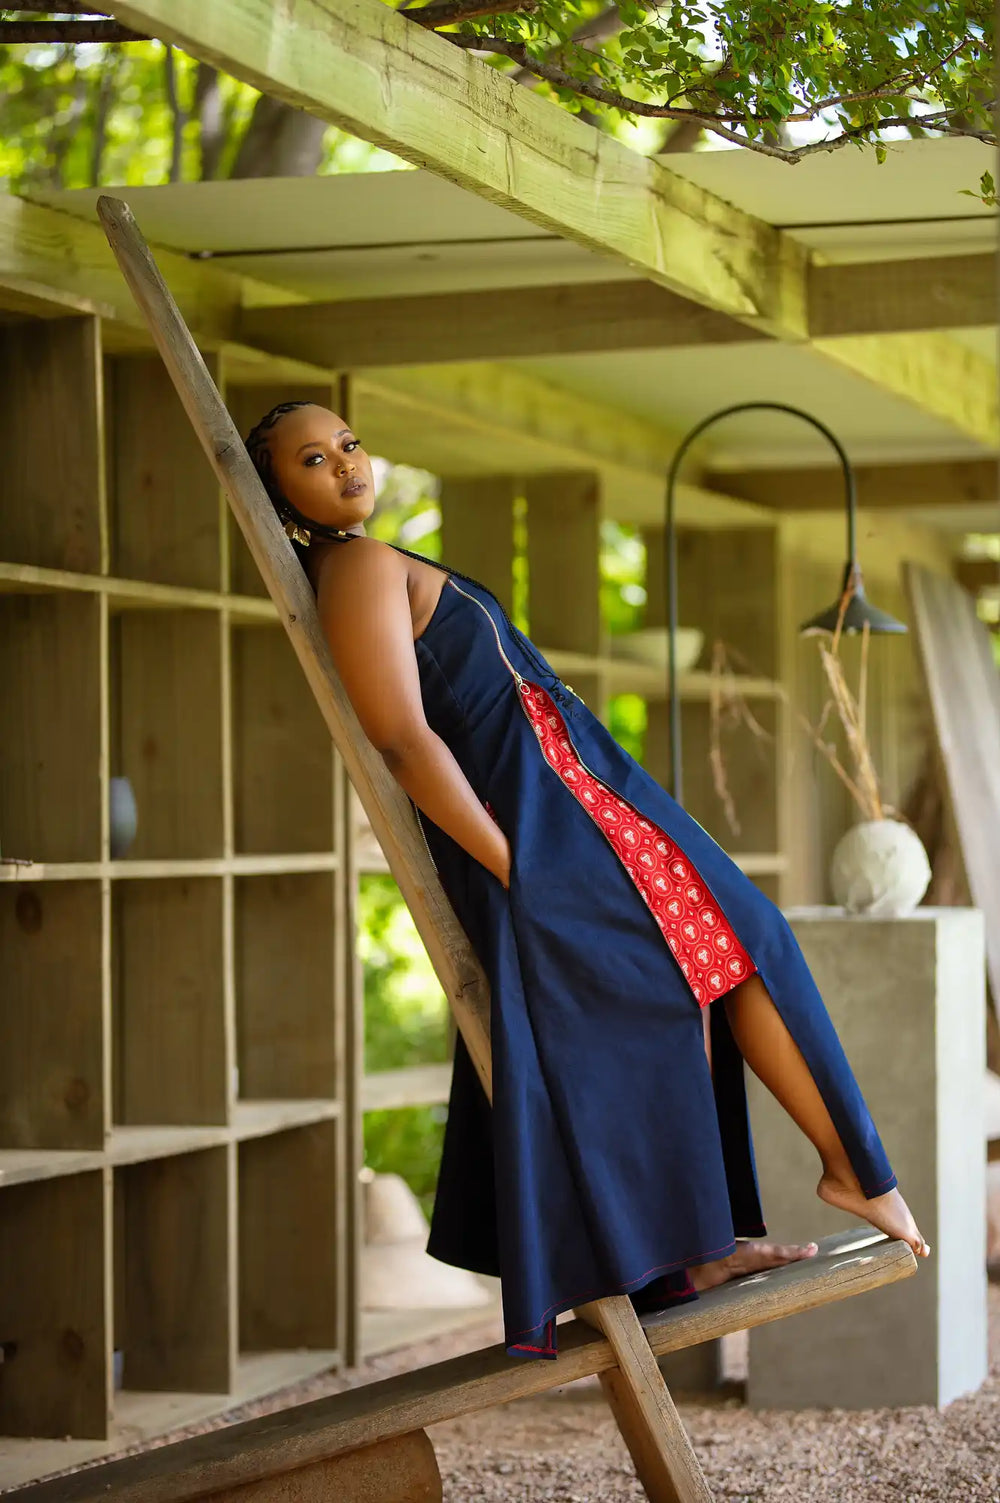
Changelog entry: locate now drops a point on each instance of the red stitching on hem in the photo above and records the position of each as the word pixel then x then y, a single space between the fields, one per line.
pixel 620 1288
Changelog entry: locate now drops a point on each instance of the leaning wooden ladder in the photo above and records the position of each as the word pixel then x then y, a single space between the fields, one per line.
pixel 622 1348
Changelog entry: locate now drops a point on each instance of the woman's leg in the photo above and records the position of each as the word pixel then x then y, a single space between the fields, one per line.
pixel 750 1256
pixel 775 1058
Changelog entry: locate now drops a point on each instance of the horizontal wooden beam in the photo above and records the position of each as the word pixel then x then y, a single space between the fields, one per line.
pixel 939 483
pixel 493 325
pixel 886 297
pixel 368 70
pixel 871 298
pixel 978 574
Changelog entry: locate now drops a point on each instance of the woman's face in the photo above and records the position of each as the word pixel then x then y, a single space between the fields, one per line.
pixel 321 468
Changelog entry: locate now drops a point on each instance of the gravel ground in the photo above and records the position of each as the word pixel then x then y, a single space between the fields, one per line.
pixel 564 1447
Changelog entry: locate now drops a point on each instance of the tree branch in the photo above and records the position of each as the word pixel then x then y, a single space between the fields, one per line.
pixel 447 12
pixel 67 31
pixel 560 78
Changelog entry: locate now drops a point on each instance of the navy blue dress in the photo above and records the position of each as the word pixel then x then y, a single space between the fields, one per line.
pixel 613 1158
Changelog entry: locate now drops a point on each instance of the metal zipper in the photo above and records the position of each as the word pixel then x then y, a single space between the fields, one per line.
pixel 519 680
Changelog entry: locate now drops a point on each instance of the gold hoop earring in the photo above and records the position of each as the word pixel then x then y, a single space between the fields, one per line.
pixel 297 534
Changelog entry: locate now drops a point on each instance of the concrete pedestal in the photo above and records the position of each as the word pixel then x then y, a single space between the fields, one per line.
pixel 907 999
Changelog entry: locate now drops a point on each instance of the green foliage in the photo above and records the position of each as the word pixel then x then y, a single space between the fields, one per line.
pixel 842 71
pixel 131 115
pixel 987 193
pixel 407 1141
pixel 405 1010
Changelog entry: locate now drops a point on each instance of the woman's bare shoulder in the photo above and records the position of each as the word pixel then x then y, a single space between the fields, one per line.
pixel 361 565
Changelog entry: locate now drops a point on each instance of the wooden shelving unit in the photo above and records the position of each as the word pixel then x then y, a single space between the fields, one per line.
pixel 178 1115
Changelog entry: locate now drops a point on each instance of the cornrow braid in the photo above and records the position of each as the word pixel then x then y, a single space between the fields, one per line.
pixel 256 443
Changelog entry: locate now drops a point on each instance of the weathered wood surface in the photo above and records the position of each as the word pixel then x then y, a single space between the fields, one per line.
pixel 491 325
pixel 415 94
pixel 669 1473
pixel 880 297
pixel 847 1264
pixel 931 371
pixel 403 1470
pixel 940 482
pixel 963 685
pixel 884 297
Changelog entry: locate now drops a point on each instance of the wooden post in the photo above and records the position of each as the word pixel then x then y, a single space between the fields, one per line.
pixel 653 1428
pixel 564 583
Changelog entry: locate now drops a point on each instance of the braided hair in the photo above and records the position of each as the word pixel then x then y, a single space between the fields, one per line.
pixel 257 447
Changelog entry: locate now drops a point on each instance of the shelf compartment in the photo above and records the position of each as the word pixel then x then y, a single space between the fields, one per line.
pixel 283 766
pixel 50 425
pixel 140 1145
pixel 134 594
pixel 52 1093
pixel 145 871
pixel 168 739
pixel 55 1379
pixel 165 502
pixel 174 1314
pixel 172 1056
pixel 287 1007
pixel 50 752
pixel 288 1240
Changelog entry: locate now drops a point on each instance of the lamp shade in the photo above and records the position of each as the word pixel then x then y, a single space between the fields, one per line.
pixel 858 613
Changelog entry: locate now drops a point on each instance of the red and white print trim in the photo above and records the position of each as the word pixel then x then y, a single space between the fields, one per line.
pixel 702 940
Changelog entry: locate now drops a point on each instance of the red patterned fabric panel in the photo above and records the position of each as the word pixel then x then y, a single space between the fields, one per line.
pixel 703 942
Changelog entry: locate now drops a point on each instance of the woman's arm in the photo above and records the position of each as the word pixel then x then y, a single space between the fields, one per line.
pixel 365 612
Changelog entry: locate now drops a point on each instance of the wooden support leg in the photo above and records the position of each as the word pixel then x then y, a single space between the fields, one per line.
pixel 403 1470
pixel 664 1458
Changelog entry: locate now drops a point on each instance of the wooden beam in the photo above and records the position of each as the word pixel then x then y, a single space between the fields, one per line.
pixel 492 325
pixel 945 482
pixel 933 372
pixel 871 298
pixel 848 1263
pixel 885 297
pixel 978 574
pixel 369 71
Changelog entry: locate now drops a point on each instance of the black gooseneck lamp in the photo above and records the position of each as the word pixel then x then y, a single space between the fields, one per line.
pixel 857 613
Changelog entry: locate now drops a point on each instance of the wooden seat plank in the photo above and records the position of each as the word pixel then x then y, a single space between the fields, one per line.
pixel 847 1264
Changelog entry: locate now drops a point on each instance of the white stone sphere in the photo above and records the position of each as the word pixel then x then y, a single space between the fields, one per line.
pixel 880 869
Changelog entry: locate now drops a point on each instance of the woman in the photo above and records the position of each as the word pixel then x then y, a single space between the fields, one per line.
pixel 633 966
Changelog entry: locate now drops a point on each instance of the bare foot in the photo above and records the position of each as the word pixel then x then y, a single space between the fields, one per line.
pixel 888 1213
pixel 749 1257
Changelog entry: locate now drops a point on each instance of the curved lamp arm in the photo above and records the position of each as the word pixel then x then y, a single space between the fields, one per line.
pixel 670 542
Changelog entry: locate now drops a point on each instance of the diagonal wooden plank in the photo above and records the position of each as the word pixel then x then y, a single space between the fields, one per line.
pixel 387 808
pixel 847 1264
pixel 368 70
